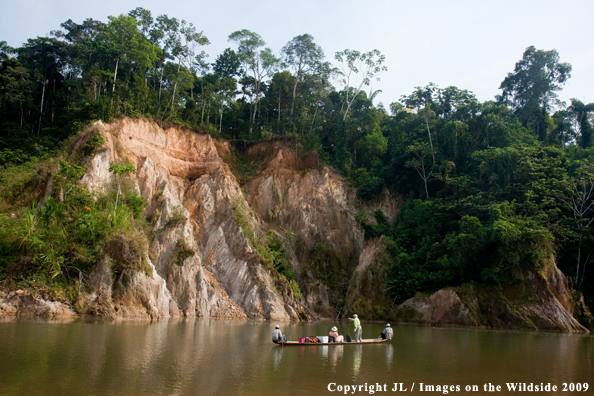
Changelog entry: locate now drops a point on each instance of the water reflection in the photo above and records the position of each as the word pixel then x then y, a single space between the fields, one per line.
pixel 215 357
pixel 357 356
pixel 335 356
pixel 277 355
pixel 389 355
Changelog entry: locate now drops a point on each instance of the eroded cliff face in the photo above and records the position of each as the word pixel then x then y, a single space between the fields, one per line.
pixel 317 205
pixel 208 222
pixel 541 301
pixel 367 294
pixel 192 198
pixel 312 209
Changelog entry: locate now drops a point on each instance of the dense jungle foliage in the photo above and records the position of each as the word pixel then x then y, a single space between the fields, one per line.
pixel 491 188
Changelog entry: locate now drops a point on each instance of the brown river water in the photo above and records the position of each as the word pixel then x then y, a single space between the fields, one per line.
pixel 219 357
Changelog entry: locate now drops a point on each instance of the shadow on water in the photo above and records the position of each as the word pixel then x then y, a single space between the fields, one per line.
pixel 218 357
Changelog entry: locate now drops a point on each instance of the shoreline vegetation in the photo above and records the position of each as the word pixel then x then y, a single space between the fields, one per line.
pixel 437 209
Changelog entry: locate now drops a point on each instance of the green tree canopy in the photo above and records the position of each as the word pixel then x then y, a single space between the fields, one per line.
pixel 531 89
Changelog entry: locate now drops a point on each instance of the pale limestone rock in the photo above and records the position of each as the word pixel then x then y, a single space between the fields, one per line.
pixel 291 195
pixel 191 195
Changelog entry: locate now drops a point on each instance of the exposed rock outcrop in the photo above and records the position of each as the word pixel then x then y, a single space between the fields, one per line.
pixel 443 307
pixel 27 305
pixel 316 205
pixel 541 301
pixel 315 208
pixel 200 262
pixel 367 292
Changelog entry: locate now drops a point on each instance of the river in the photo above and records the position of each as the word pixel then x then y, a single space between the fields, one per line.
pixel 220 357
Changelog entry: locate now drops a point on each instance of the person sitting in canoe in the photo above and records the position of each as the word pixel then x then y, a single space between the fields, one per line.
pixel 333 336
pixel 358 330
pixel 388 333
pixel 277 335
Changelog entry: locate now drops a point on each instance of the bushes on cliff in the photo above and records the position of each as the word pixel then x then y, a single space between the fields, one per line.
pixel 55 241
pixel 244 219
pixel 325 266
pixel 93 145
pixel 431 247
pixel 182 251
pixel 279 255
pixel 269 248
pixel 127 251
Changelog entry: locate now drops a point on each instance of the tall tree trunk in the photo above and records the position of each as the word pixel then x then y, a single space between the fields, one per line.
pixel 314 120
pixel 348 105
pixel 579 258
pixel 52 101
pixel 294 94
pixel 346 111
pixel 41 109
pixel 203 106
pixel 173 98
pixel 174 90
pixel 115 75
pixel 251 110
pixel 430 141
pixel 116 203
pixel 255 103
pixel 160 84
pixel 584 270
pixel 169 104
pixel 425 181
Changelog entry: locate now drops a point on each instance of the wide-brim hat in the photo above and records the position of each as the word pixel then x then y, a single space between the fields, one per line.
pixel 334 328
pixel 355 316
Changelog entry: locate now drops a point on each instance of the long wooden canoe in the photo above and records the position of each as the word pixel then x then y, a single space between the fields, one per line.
pixel 367 341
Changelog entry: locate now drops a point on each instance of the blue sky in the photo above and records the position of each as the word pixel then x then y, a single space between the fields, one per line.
pixel 469 44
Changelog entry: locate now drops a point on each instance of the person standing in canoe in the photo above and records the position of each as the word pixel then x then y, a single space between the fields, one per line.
pixel 358 330
pixel 277 335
